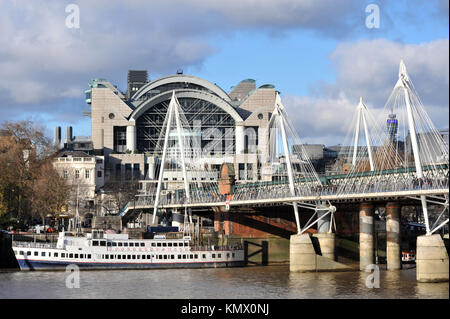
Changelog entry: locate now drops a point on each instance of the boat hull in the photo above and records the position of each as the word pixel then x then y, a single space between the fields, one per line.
pixel 28 264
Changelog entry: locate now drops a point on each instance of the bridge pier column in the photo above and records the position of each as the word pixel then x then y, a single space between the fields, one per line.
pixel 327 239
pixel 431 259
pixel 366 232
pixel 393 252
pixel 302 256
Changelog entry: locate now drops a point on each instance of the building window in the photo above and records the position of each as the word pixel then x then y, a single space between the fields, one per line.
pixel 65 174
pixel 241 171
pixel 87 174
pixel 249 171
pixel 99 174
pixel 120 139
pixel 77 173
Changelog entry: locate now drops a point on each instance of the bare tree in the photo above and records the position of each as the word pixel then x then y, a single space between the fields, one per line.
pixel 121 192
pixel 28 182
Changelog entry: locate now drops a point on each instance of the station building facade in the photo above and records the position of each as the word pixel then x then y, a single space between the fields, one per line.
pixel 126 126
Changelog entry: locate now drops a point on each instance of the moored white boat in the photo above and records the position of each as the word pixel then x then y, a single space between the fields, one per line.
pixel 98 250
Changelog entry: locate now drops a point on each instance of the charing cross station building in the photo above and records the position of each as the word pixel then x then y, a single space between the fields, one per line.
pixel 231 128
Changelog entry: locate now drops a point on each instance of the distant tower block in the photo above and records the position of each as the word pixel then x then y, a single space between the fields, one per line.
pixel 392 127
pixel 136 80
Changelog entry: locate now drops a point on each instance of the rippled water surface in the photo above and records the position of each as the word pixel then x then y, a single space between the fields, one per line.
pixel 250 282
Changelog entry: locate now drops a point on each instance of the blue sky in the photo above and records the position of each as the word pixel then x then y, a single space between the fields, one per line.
pixel 318 54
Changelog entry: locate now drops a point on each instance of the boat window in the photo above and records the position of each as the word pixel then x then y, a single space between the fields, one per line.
pixel 184 256
pixel 179 256
pixel 195 256
pixel 232 254
pixel 119 256
pixel 81 256
pixel 35 253
pixel 125 244
pixel 76 255
pixel 43 254
pixel 89 256
pixel 119 244
pixel 109 244
pixel 153 244
pixel 204 256
pixel 63 255
pixel 131 244
pixel 172 256
pixel 128 256
pixel 169 244
pixel 175 244
pixel 138 257
pixel 186 244
pixel 136 244
pixel 55 254
pixel 219 256
pixel 134 256
pixel 114 244
pixel 21 252
pixel 95 243
pixel 158 244
pixel 143 256
pixel 148 257
pixel 191 256
pixel 142 244
pixel 165 256
pixel 106 256
pixel 164 244
pixel 70 255
pixel 228 255
pixel 111 256
pixel 213 255
pixel 102 243
pixel 28 253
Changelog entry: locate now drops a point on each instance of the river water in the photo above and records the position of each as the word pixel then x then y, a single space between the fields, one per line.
pixel 258 282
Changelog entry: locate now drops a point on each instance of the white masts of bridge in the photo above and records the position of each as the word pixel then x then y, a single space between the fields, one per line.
pixel 172 111
pixel 278 113
pixel 362 109
pixel 404 82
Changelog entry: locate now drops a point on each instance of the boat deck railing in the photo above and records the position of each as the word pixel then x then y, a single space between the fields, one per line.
pixel 215 248
pixel 27 244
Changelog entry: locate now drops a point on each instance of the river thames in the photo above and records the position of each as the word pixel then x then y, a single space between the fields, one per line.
pixel 258 282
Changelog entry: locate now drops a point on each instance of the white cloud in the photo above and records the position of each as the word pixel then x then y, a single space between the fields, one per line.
pixel 369 69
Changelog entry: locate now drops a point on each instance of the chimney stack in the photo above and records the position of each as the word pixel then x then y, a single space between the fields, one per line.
pixel 69 134
pixel 57 136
